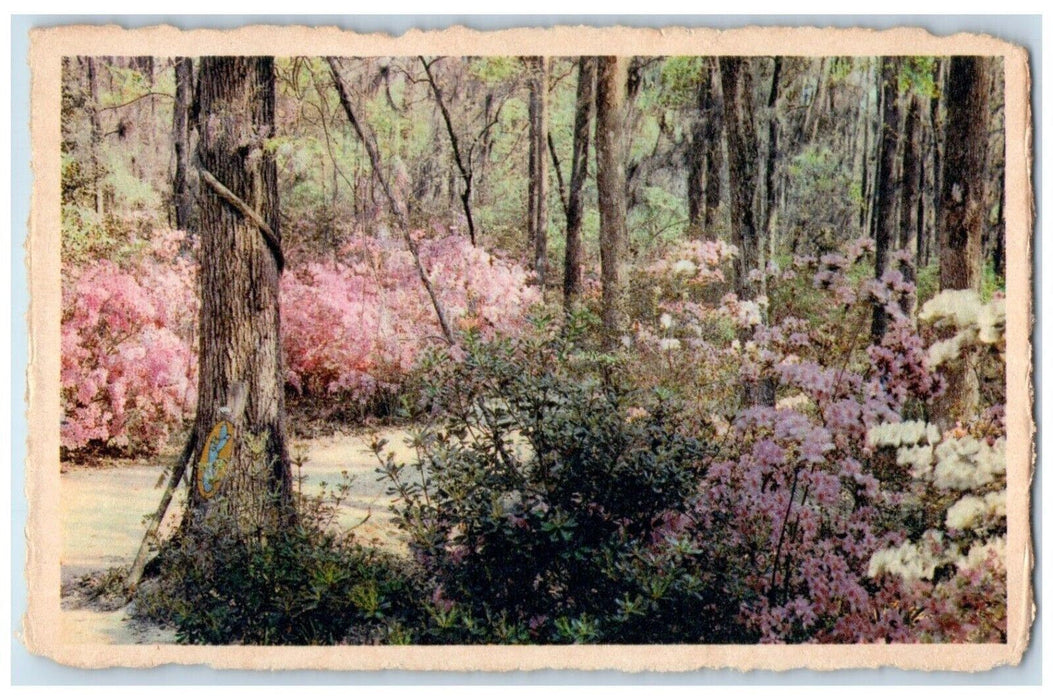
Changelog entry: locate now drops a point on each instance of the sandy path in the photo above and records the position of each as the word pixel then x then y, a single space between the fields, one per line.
pixel 103 511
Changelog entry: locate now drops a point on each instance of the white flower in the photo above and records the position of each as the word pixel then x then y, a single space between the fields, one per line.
pixel 919 457
pixel 669 344
pixel 665 321
pixel 909 432
pixel 978 554
pixel 966 513
pixel 959 306
pixel 992 322
pixel 965 464
pixel 685 267
pixel 910 560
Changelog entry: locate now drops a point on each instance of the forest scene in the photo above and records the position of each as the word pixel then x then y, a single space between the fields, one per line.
pixel 533 349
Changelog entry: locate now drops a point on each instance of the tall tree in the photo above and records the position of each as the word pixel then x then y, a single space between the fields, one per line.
pixel 240 367
pixel 181 199
pixel 537 209
pixel 885 202
pixel 773 150
pixel 610 185
pixel 96 135
pixel 962 209
pixel 962 214
pixel 463 161
pixel 714 145
pixel 705 159
pixel 578 171
pixel 743 155
pixel 911 180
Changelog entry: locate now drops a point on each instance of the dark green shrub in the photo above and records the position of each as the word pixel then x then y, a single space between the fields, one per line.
pixel 546 502
pixel 220 583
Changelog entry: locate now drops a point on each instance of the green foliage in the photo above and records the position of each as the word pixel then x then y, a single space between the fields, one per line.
pixel 234 576
pixel 678 80
pixel 915 75
pixel 538 503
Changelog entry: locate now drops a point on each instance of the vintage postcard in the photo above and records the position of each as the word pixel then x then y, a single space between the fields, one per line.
pixel 574 348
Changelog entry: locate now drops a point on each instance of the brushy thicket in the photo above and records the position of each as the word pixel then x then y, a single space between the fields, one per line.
pixel 557 497
pixel 352 328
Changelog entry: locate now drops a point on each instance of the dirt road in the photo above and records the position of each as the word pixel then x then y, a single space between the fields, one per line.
pixel 103 512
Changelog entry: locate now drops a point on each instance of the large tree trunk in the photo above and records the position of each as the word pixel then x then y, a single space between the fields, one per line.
pixel 884 221
pixel 741 138
pixel 743 155
pixel 610 183
pixel 962 214
pixel 240 367
pixel 181 200
pixel 962 188
pixel 578 171
pixel 704 157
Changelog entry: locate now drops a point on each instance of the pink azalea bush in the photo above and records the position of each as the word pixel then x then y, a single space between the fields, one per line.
pixel 353 327
pixel 129 370
pixel 357 325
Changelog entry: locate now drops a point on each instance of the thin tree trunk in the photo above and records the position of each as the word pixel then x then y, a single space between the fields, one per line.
pixel 864 187
pixel 96 137
pixel 578 171
pixel 610 183
pixel 911 196
pixel 539 175
pixel 397 208
pixel 773 150
pixel 182 203
pixel 884 222
pixel 240 368
pixel 743 156
pixel 714 145
pixel 937 133
pixel 462 161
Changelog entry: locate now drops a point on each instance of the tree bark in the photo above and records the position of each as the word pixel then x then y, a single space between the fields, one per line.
pixel 773 150
pixel 462 161
pixel 241 377
pixel 911 191
pixel 181 199
pixel 572 263
pixel 741 138
pixel 884 223
pixel 962 188
pixel 610 184
pixel 962 214
pixel 714 145
pixel 743 155
pixel 538 190
pixel 96 137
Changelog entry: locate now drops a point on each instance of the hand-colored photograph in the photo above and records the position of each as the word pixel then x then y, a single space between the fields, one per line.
pixel 544 349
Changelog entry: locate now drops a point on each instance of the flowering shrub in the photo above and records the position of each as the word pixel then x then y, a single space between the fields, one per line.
pixel 358 326
pixel 952 575
pixel 539 502
pixel 128 372
pixel 354 327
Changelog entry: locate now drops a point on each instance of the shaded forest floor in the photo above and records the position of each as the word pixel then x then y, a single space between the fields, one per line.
pixel 103 508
